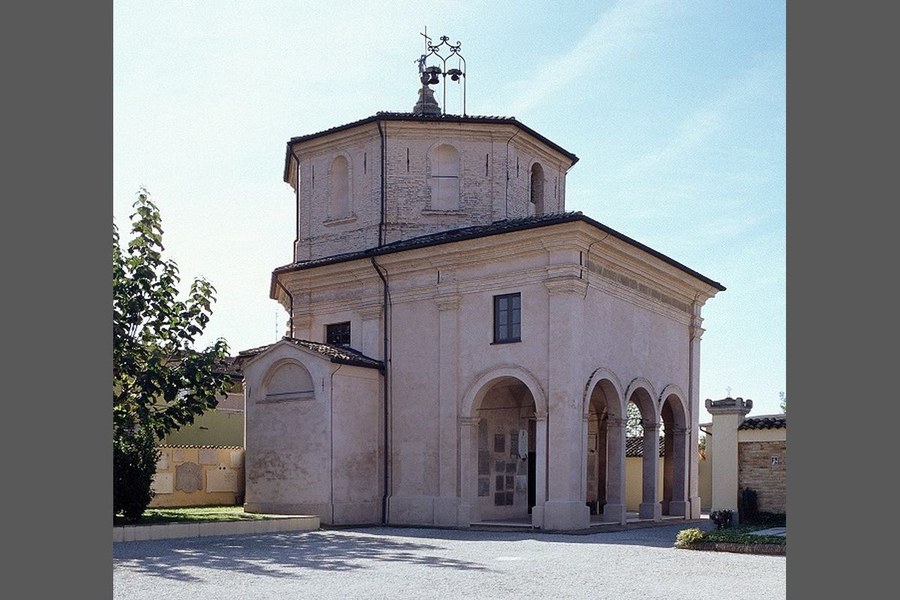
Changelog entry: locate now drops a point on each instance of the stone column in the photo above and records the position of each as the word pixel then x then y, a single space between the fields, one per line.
pixel 446 505
pixel 540 468
pixel 602 458
pixel 678 439
pixel 668 471
pixel 727 415
pixel 650 507
pixel 614 509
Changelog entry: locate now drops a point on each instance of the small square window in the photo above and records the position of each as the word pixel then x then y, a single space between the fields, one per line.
pixel 507 318
pixel 338 334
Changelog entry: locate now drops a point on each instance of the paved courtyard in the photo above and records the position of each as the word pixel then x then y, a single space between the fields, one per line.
pixel 384 562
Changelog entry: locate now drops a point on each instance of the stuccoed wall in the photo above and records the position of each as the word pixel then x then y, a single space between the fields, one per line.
pixel 634 469
pixel 706 478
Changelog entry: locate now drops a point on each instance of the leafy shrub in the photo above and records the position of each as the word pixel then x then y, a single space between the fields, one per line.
pixel 748 506
pixel 769 519
pixel 742 535
pixel 134 464
pixel 689 536
pixel 722 518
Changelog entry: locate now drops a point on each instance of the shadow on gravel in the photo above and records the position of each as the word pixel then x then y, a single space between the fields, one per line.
pixel 280 555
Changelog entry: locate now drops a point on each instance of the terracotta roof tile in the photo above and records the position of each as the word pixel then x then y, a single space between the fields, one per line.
pixel 202 447
pixel 408 116
pixel 336 354
pixel 764 422
pixel 634 446
pixel 479 231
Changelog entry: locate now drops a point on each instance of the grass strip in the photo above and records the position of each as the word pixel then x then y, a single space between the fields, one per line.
pixel 197 514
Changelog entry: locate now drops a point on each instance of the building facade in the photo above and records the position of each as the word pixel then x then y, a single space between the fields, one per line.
pixel 459 347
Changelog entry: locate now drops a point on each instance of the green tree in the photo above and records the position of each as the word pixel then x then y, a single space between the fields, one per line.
pixel 634 426
pixel 160 381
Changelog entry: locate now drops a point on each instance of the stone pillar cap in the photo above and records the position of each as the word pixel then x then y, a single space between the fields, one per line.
pixel 727 406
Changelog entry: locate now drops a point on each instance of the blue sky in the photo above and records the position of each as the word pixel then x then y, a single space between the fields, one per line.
pixel 676 111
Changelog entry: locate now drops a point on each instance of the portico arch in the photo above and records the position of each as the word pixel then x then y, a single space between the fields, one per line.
pixel 503 428
pixel 604 413
pixel 676 451
pixel 479 387
pixel 642 394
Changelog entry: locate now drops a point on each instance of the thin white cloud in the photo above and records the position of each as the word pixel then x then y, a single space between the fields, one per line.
pixel 704 122
pixel 619 29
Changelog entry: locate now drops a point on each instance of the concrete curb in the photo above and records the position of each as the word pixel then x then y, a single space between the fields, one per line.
pixel 773 549
pixel 273 524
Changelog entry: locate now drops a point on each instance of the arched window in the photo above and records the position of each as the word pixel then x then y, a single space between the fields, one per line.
pixel 536 207
pixel 445 178
pixel 339 199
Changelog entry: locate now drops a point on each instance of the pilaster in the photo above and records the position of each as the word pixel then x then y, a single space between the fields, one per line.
pixel 566 507
pixel 301 324
pixel 468 429
pixel 371 339
pixel 696 332
pixel 446 507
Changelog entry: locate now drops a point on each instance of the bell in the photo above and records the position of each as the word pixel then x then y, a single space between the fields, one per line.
pixel 432 73
pixel 454 74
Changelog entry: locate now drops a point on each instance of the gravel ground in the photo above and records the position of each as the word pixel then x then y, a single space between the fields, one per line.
pixel 386 562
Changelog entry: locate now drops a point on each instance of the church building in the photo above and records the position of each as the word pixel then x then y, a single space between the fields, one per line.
pixel 459 347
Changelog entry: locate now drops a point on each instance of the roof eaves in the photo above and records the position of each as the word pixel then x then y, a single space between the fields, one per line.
pixel 335 354
pixel 401 116
pixel 479 231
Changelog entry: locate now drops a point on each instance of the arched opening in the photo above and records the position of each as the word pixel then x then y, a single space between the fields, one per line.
pixel 506 451
pixel 339 200
pixel 445 178
pixel 605 460
pixel 676 442
pixel 643 440
pixel 536 205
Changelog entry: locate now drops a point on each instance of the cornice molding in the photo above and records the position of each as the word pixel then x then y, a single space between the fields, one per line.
pixel 628 281
pixel 448 303
pixel 566 285
pixel 370 313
